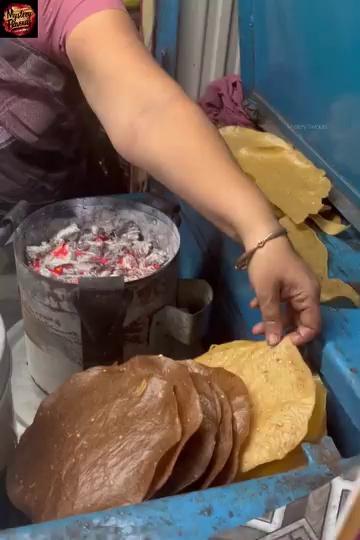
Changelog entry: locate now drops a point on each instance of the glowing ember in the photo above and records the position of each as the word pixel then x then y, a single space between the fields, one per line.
pixel 97 252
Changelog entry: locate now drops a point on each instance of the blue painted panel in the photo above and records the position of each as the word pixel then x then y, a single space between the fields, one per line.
pixel 246 26
pixel 196 516
pixel 300 63
pixel 167 17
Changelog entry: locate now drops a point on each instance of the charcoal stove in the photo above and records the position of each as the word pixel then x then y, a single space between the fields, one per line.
pixel 100 315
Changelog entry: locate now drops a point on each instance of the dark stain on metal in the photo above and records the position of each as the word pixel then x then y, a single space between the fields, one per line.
pixel 310 481
pixel 207 511
pixel 354 370
pixel 167 522
pixel 231 514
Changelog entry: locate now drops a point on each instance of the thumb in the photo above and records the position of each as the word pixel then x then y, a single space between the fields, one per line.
pixel 271 313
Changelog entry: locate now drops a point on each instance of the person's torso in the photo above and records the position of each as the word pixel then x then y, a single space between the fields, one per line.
pixel 40 126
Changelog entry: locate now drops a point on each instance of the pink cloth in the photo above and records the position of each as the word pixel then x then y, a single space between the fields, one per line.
pixel 223 103
pixel 57 18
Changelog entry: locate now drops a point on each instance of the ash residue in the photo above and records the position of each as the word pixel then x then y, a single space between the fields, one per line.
pixel 73 253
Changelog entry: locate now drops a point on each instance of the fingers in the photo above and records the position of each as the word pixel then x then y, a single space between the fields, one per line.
pixel 259 329
pixel 286 318
pixel 300 291
pixel 306 306
pixel 309 323
pixel 302 335
pixel 307 327
pixel 269 303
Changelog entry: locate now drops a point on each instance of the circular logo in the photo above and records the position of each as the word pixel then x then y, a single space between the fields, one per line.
pixel 19 19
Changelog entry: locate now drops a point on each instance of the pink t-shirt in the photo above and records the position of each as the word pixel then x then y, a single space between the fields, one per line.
pixel 57 18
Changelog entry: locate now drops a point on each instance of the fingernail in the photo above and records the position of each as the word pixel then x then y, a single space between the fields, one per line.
pixel 273 340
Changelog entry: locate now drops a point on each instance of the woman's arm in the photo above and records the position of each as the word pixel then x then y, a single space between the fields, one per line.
pixel 153 124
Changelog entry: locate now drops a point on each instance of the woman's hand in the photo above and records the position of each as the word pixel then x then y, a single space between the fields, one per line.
pixel 279 276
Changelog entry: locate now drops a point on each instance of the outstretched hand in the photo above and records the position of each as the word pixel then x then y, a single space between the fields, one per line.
pixel 279 278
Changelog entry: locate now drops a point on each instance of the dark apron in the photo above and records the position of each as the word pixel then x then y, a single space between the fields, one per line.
pixel 51 146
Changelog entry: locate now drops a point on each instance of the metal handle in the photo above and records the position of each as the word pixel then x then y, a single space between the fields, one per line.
pixel 178 331
pixel 102 305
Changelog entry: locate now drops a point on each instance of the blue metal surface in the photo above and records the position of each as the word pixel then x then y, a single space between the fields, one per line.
pixel 167 17
pixel 196 516
pixel 338 351
pixel 298 64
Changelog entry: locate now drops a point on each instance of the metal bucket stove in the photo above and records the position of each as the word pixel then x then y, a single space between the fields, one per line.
pixel 92 320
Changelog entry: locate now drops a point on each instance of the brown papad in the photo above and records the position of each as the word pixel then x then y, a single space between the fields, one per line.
pixel 94 444
pixel 195 457
pixel 238 396
pixel 188 400
pixel 224 439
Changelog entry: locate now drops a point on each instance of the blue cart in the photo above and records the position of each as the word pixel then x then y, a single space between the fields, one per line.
pixel 301 72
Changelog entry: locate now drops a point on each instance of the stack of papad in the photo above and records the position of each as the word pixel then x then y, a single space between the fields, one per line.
pixel 296 188
pixel 119 435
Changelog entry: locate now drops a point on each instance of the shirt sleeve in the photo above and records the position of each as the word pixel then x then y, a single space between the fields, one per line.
pixel 57 19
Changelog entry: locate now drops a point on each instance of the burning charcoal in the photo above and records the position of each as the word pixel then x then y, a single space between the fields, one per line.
pixel 34 252
pixel 45 272
pixel 141 249
pixel 102 235
pixel 106 272
pixel 96 248
pixel 157 256
pixel 85 269
pixel 72 247
pixel 59 256
pixel 68 233
pixel 114 249
pixel 97 252
pixel 83 244
pixel 100 270
pixel 86 236
pixel 85 256
pixel 116 271
pixel 131 232
pixel 127 262
pixel 68 270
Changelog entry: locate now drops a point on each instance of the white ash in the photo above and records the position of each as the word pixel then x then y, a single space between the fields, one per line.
pixel 69 233
pixel 97 252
